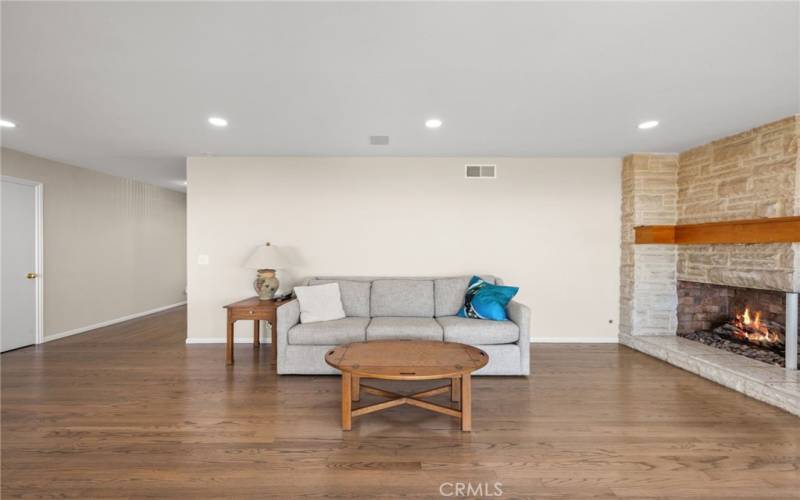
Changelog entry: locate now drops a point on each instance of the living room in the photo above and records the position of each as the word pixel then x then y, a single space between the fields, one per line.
pixel 400 249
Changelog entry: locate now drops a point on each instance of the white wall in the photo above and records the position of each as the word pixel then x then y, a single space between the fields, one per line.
pixel 113 247
pixel 550 226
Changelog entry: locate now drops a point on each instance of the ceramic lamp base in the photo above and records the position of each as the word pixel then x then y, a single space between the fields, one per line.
pixel 266 284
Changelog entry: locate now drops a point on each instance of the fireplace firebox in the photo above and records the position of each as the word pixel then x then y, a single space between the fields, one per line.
pixel 744 321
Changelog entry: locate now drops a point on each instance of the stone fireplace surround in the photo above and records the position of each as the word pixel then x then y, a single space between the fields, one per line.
pixel 751 175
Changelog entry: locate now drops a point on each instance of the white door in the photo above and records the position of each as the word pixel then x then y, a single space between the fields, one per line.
pixel 19 264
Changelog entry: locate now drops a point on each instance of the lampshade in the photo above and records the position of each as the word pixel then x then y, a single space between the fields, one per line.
pixel 265 257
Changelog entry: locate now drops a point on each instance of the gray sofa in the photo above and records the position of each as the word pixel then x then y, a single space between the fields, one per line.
pixel 402 308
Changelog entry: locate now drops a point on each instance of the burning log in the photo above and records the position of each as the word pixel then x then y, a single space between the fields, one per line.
pixel 751 329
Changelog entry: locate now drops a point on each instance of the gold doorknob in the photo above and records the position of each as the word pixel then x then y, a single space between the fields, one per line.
pixel 31 276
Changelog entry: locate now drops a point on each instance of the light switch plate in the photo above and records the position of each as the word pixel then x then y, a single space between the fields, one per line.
pixel 202 260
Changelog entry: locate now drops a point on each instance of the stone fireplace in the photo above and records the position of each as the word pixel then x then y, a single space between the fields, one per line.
pixel 672 290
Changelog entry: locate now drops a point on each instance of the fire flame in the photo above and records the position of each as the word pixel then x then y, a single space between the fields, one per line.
pixel 747 321
pixel 753 330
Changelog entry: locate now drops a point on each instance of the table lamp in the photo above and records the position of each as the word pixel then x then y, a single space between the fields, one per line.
pixel 265 260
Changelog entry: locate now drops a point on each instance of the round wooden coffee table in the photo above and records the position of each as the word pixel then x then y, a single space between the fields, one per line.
pixel 407 360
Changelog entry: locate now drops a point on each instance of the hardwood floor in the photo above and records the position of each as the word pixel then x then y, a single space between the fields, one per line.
pixel 131 411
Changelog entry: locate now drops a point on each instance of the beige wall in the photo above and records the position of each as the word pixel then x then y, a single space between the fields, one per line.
pixel 113 247
pixel 550 226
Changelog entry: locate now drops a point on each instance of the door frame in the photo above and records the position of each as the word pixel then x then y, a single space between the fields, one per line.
pixel 38 190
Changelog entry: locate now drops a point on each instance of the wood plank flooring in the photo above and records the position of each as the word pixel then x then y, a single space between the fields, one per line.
pixel 130 411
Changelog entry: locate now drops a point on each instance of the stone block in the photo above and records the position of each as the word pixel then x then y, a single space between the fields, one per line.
pixel 732 187
pixel 740 146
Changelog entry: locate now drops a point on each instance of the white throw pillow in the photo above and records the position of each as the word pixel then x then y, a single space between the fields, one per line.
pixel 319 302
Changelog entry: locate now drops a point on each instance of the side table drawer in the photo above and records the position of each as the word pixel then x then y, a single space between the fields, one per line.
pixel 252 313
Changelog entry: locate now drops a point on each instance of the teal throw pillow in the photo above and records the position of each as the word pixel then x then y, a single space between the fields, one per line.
pixel 486 301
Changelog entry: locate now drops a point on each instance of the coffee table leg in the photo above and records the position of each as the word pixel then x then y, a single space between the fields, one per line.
pixel 466 403
pixel 346 395
pixel 455 388
pixel 356 388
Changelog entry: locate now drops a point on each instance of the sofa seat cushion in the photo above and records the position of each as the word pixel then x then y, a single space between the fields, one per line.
pixel 402 297
pixel 478 331
pixel 335 332
pixel 393 328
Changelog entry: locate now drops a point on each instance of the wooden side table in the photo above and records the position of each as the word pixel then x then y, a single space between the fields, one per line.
pixel 255 310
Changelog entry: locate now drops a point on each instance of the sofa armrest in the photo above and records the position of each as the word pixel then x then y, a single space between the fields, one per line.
pixel 520 314
pixel 288 315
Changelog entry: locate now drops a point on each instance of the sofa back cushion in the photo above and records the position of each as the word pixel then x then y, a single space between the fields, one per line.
pixel 355 296
pixel 402 298
pixel 449 294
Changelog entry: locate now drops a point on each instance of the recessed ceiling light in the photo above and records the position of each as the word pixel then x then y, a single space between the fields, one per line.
pixel 7 124
pixel 648 124
pixel 433 123
pixel 218 122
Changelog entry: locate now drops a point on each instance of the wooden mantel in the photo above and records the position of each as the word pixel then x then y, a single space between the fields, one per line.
pixel 767 230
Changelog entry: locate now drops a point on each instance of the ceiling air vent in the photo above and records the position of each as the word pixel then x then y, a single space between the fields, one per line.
pixel 379 140
pixel 481 171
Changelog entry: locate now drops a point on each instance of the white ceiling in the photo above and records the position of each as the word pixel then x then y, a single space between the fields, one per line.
pixel 126 88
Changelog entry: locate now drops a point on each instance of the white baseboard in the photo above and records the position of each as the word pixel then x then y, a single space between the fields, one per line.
pixel 114 321
pixel 223 340
pixel 575 340
pixel 537 340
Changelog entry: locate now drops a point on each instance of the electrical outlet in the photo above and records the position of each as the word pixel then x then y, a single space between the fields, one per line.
pixel 202 260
